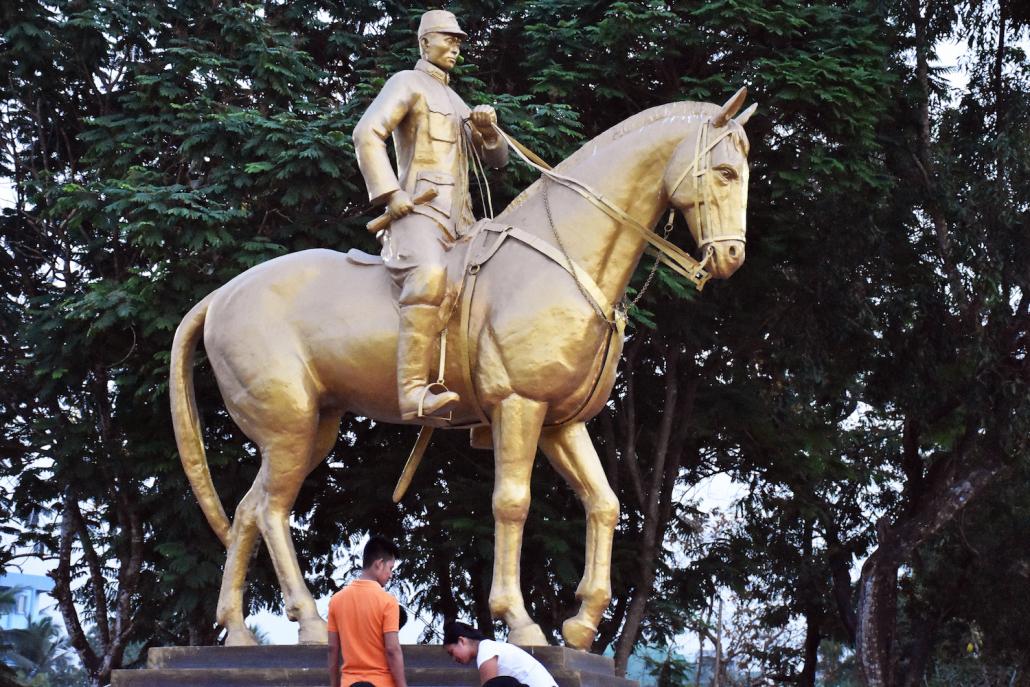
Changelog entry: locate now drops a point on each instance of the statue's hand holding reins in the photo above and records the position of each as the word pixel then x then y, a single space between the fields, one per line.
pixel 484 119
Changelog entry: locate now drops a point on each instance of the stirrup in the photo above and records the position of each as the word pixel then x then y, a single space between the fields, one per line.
pixel 422 399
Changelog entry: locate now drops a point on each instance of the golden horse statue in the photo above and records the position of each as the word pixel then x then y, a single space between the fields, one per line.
pixel 300 340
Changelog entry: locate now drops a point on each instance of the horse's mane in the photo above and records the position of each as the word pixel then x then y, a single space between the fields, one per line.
pixel 684 108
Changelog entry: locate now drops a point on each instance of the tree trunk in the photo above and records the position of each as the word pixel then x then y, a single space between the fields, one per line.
pixel 877 606
pixel 609 628
pixel 700 658
pixel 445 588
pixel 812 640
pixel 840 570
pixel 481 602
pixel 62 577
pixel 925 161
pixel 717 676
pixel 655 499
pixel 878 588
pixel 641 595
pixel 921 650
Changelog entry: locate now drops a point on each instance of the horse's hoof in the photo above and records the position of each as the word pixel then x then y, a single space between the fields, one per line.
pixel 529 635
pixel 578 634
pixel 313 631
pixel 243 637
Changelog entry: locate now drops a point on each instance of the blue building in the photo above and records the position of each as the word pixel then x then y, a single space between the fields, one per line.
pixel 27 592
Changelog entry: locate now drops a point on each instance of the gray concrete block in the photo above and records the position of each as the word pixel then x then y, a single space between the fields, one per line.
pixel 305 666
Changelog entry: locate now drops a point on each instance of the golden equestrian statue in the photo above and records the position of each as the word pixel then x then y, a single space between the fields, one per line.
pixel 531 330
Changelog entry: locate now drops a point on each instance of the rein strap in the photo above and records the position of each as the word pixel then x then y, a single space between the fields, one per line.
pixel 671 255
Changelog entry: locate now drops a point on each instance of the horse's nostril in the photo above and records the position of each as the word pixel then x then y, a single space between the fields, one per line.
pixel 733 251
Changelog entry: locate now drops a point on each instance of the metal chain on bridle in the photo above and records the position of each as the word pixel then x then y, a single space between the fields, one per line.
pixel 654 266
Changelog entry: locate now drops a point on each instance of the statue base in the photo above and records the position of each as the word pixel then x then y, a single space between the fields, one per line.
pixel 305 666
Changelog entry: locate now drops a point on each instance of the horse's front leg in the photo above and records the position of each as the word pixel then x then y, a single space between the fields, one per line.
pixel 516 428
pixel 572 454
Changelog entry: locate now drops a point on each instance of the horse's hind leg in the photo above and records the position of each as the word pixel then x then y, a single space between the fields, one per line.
pixel 242 540
pixel 572 454
pixel 287 441
pixel 516 426
pixel 313 629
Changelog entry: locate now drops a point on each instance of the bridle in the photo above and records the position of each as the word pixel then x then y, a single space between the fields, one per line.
pixel 664 250
pixel 701 166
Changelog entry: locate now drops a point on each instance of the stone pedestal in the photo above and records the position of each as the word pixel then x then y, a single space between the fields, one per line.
pixel 305 666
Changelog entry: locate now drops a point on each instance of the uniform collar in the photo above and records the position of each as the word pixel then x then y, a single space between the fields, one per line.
pixel 433 71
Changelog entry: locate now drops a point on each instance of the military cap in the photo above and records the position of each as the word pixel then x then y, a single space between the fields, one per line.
pixel 439 21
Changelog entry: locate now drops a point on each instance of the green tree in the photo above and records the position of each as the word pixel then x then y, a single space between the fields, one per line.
pixel 870 358
pixel 960 400
pixel 8 677
pixel 42 655
pixel 157 152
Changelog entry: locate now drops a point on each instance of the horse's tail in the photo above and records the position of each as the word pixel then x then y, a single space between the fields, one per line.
pixel 186 420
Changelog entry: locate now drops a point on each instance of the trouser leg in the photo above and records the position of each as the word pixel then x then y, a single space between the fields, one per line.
pixel 414 250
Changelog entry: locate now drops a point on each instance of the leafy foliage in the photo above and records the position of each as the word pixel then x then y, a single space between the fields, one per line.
pixel 871 352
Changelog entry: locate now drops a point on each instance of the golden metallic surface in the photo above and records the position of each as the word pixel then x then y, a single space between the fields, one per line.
pixel 297 342
pixel 424 117
pixel 436 136
pixel 411 465
pixel 383 221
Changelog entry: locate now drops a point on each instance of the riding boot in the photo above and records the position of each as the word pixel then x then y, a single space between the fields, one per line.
pixel 418 333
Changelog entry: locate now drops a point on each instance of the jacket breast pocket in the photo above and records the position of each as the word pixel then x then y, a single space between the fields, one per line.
pixel 444 185
pixel 443 126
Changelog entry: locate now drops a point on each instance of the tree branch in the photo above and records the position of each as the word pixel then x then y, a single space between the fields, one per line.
pixel 629 427
pixel 661 447
pixel 63 592
pixel 96 573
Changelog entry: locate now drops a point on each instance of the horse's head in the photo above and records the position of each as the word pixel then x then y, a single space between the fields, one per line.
pixel 706 179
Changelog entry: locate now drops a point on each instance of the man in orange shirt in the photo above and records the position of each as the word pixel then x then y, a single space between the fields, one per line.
pixel 363 623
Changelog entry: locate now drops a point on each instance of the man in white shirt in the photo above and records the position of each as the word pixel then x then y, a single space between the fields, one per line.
pixel 494 659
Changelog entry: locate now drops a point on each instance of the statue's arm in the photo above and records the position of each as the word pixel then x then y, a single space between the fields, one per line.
pixel 495 154
pixel 385 113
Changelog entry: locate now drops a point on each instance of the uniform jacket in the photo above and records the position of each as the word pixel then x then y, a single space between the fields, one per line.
pixel 425 118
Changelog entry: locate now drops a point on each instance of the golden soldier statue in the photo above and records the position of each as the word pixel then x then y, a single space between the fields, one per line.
pixel 434 134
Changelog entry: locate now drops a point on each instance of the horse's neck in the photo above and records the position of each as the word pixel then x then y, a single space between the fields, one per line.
pixel 628 173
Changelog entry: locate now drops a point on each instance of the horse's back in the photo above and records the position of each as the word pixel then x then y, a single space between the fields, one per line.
pixel 310 321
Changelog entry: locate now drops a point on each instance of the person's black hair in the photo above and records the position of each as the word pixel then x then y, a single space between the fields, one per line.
pixel 500 681
pixel 378 548
pixel 452 630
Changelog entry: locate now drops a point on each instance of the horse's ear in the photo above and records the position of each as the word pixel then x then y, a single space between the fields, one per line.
pixel 746 114
pixel 730 108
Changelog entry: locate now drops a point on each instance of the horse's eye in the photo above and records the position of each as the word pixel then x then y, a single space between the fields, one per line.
pixel 727 173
